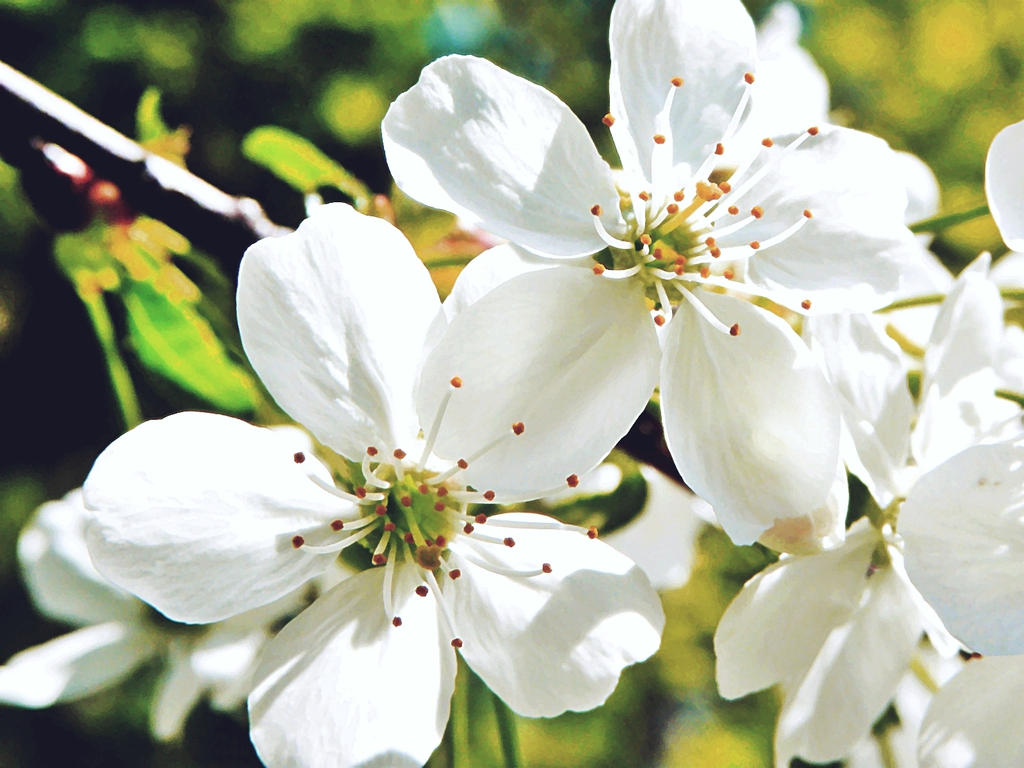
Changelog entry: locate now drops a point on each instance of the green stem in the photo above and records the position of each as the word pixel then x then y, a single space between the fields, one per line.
pixel 448 261
pixel 1014 397
pixel 120 379
pixel 1013 294
pixel 939 223
pixel 507 732
pixel 458 725
pixel 885 750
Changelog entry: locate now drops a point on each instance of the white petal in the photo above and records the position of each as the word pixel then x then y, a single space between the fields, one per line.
pixel 333 318
pixel 848 255
pixel 489 270
pixel 1004 184
pixel 1008 270
pixel 751 422
pixel 176 694
pixel 195 514
pixel 710 45
pixel 555 641
pixel 340 686
pixel 965 545
pixel 662 540
pixel 74 665
pixel 563 351
pixel 471 137
pixel 774 628
pixel 974 720
pixel 922 187
pixel 59 573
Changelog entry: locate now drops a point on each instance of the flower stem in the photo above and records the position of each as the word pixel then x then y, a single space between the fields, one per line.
pixel 1013 294
pixel 507 732
pixel 939 223
pixel 458 725
pixel 120 379
pixel 1013 397
pixel 448 261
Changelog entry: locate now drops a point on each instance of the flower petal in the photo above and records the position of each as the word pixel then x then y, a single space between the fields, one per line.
pixel 562 351
pixel 195 514
pixel 965 545
pixel 470 137
pixel 1004 184
pixel 74 665
pixel 59 573
pixel 555 641
pixel 178 691
pixel 848 255
pixel 340 686
pixel 974 719
pixel 751 422
pixel 333 318
pixel 710 45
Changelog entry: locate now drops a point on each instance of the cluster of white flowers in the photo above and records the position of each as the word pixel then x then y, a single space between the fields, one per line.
pixel 733 268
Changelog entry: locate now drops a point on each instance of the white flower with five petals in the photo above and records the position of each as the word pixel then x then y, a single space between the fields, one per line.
pixel 205 516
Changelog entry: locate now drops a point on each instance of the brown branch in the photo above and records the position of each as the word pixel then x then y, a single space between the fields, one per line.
pixel 214 221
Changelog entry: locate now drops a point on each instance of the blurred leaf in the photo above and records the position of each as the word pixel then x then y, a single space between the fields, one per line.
pixel 154 134
pixel 175 341
pixel 300 164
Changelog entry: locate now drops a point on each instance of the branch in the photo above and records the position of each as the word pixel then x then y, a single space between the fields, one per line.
pixel 214 221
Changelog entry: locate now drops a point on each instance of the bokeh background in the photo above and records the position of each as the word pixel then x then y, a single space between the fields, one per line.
pixel 936 77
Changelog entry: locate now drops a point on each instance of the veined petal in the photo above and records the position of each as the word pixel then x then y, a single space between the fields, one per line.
pixel 333 318
pixel 965 545
pixel 751 422
pixel 710 45
pixel 974 719
pixel 470 137
pixel 59 573
pixel 554 641
pixel 196 513
pixel 340 686
pixel 74 665
pixel 1004 184
pixel 848 255
pixel 562 351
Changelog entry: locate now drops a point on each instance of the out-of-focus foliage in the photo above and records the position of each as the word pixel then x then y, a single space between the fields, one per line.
pixel 937 77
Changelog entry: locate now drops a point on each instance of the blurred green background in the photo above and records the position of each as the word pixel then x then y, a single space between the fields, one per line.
pixel 936 77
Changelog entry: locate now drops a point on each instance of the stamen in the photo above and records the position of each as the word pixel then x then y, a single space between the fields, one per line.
pixel 608 120
pixel 337 546
pixel 666 307
pixel 435 428
pixel 518 428
pixel 389 575
pixel 450 624
pixel 503 571
pixel 299 457
pixel 370 476
pixel 785 234
pixel 621 274
pixel 379 558
pixel 806 303
pixel 298 541
pixel 332 489
pixel 734 329
pixel 703 311
pixel 604 234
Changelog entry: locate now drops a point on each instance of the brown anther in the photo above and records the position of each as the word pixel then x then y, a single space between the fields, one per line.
pixel 546 567
pixel 680 261
pixel 755 244
pixel 337 525
pixel 708 192
pixel 806 303
pixel 456 382
pixel 733 210
pixel 596 210
pixel 808 214
pixel 440 541
pixel 409 538
pixel 659 320
pixel 439 506
pixel 728 274
pixel 481 518
pixel 298 541
pixel 361 492
pixel 592 532
pixel 456 643
pixel 766 142
pixel 598 269
pixel 672 208
pixel 734 329
pixel 645 196
pixel 428 557
pixel 397 621
pixel 429 542
pixel 454 573
pixel 519 427
pixel 659 138
pixel 678 196
pixel 710 242
pixel 813 130
pixel 489 495
pixel 725 186
pixel 680 269
pixel 757 211
pixel 406 501
pixel 508 541
pixel 645 239
pixel 424 488
pixel 422 591
pixel 657 251
pixel 380 559
pixel 389 526
pixel 468 528
pixel 748 78
pixel 705 271
pixel 299 457
pixel 715 252
pixel 719 148
pixel 382 510
pixel 462 463
pixel 677 82
pixel 608 120
pixel 399 453
pixel 572 480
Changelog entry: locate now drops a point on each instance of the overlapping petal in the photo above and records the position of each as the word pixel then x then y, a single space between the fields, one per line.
pixel 1004 184
pixel 534 351
pixel 553 641
pixel 195 514
pixel 471 137
pixel 333 318
pixel 340 686
pixel 750 420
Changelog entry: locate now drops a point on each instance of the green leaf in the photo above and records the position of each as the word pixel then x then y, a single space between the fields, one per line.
pixel 173 340
pixel 300 164
pixel 149 125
